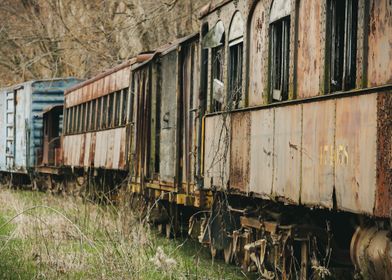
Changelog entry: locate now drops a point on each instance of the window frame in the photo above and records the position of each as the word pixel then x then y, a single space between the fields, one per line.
pixel 346 63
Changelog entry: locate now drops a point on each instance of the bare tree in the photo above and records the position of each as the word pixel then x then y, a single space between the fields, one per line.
pixel 52 38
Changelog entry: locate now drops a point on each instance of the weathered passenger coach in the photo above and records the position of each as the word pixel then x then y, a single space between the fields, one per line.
pixel 292 134
pixel 21 109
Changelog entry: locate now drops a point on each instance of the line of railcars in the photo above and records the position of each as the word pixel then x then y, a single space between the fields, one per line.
pixel 268 135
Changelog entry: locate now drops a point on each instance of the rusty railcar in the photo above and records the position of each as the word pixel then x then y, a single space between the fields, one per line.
pixel 294 151
pixel 166 140
pixel 94 143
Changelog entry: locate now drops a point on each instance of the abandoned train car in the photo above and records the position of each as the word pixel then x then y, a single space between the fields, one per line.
pixel 268 135
pixel 21 108
pixel 96 128
pixel 294 151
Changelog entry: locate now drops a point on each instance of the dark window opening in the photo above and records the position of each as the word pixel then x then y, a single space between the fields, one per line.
pixel 217 78
pixel 78 122
pixel 99 114
pixel 117 110
pixel 235 76
pixel 83 124
pixel 125 105
pixel 73 129
pixel 104 112
pixel 343 43
pixel 93 113
pixel 280 53
pixel 88 116
pixel 110 110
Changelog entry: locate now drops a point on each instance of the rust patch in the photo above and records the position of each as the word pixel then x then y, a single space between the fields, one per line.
pixel 384 155
pixel 239 153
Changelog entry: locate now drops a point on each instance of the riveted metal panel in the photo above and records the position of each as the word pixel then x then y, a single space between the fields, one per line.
pixel 317 153
pixel 380 43
pixel 217 151
pixel 355 153
pixel 384 155
pixel 258 50
pixel 116 148
pixel 239 151
pixel 168 117
pixel 87 149
pixel 261 152
pixel 287 153
pixel 110 148
pixel 309 65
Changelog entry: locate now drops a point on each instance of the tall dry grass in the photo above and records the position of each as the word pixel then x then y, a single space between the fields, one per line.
pixel 43 236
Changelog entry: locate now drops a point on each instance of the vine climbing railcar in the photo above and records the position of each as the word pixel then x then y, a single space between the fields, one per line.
pixel 267 135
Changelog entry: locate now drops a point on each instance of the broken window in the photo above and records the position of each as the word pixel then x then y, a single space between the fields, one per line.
pixel 215 40
pixel 343 43
pixel 235 62
pixel 279 49
pixel 124 105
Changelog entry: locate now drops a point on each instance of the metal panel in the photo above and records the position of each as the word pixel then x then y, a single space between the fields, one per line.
pixel 168 117
pixel 384 155
pixel 287 153
pixel 309 49
pixel 216 151
pixel 380 43
pixel 317 153
pixel 261 152
pixel 280 9
pixel 355 153
pixel 3 95
pixel 87 150
pixel 116 147
pixel 239 151
pixel 258 54
pixel 236 27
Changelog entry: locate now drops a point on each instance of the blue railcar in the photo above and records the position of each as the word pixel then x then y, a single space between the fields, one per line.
pixel 21 126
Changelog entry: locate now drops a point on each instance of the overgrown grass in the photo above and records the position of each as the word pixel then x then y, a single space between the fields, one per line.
pixel 47 237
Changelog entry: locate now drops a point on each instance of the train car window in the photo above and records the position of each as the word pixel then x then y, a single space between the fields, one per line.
pixel 88 116
pixel 99 113
pixel 105 112
pixel 117 110
pixel 215 40
pixel 217 78
pixel 279 49
pixel 93 114
pixel 83 117
pixel 72 121
pixel 343 18
pixel 111 109
pixel 66 121
pixel 78 113
pixel 125 104
pixel 128 98
pixel 235 61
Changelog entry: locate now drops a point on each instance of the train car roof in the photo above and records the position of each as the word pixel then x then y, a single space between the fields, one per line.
pixel 32 82
pixel 117 68
pixel 165 49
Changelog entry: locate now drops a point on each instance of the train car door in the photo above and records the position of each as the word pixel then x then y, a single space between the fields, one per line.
pixel 189 116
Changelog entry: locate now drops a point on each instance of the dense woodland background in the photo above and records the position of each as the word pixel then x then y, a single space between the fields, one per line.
pixel 81 38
